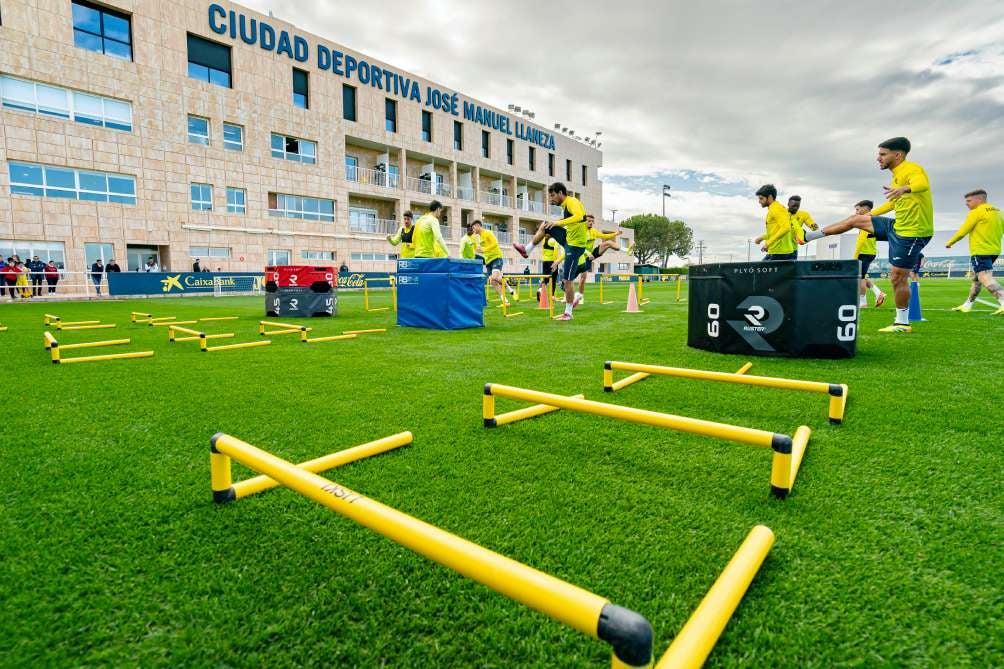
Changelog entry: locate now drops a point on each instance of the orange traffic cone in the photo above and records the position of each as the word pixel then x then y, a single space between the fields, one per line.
pixel 543 296
pixel 632 303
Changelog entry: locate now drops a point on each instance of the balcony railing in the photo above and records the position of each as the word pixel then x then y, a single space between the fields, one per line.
pixel 466 194
pixel 446 230
pixel 364 175
pixel 372 226
pixel 496 200
pixel 524 236
pixel 429 187
pixel 524 204
pixel 504 237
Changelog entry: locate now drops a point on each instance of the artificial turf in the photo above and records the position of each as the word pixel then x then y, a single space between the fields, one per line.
pixel 888 550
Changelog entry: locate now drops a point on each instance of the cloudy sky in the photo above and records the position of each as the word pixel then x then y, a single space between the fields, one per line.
pixel 716 98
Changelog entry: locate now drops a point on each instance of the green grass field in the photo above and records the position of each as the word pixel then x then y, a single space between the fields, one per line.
pixel 888 550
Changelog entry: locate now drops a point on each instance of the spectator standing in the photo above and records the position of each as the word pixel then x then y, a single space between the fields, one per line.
pixel 36 267
pixel 343 269
pixel 97 274
pixel 196 267
pixel 112 266
pixel 151 265
pixel 10 277
pixel 51 276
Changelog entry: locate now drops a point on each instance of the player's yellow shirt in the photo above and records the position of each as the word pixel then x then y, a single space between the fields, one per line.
pixel 914 210
pixel 574 222
pixel 780 237
pixel 598 234
pixel 866 245
pixel 985 227
pixel 799 220
pixel 404 237
pixel 428 238
pixel 467 246
pixel 551 250
pixel 489 246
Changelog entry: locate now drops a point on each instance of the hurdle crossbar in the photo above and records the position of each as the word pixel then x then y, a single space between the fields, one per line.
pixel 50 341
pixel 837 392
pixel 784 467
pixel 359 332
pixel 218 318
pixel 161 319
pixel 103 326
pixel 227 347
pixel 629 633
pixel 170 323
pixel 3 328
pixel 222 335
pixel 49 319
pixel 522 414
pixel 54 351
pixel 694 642
pixel 134 314
pixel 62 324
pixel 318 340
pixel 281 328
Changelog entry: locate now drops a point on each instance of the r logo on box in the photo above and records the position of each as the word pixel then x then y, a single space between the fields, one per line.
pixel 763 316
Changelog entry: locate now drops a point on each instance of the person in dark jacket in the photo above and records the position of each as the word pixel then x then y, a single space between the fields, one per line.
pixel 97 274
pixel 51 276
pixel 112 266
pixel 36 268
pixel 196 267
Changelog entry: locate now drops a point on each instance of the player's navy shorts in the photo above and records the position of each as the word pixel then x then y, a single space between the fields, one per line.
pixel 982 263
pixel 774 257
pixel 866 261
pixel 904 252
pixel 494 265
pixel 571 267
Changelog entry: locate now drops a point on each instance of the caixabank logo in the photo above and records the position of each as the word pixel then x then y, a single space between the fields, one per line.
pixel 762 315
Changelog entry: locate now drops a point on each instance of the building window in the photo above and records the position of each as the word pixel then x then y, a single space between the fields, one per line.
pixel 291 148
pixel 317 255
pixel 426 126
pixel 301 89
pixel 348 102
pixel 233 137
pixel 278 257
pixel 351 168
pixel 568 171
pixel 198 130
pixel 45 251
pixel 66 182
pixel 458 136
pixel 390 113
pixel 532 158
pixel 209 251
pixel 623 266
pixel 101 29
pixel 585 170
pixel 298 207
pixel 47 100
pixel 550 164
pixel 208 61
pixel 486 143
pixel 95 252
pixel 202 197
pixel 363 220
pixel 508 151
pixel 237 201
pixel 373 257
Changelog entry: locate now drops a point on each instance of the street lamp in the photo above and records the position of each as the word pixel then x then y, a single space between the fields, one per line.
pixel 665 194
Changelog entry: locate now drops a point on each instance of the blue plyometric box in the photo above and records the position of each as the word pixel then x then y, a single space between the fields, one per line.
pixel 440 301
pixel 439 266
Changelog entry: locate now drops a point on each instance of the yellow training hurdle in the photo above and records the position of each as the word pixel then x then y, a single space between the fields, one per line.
pixel 283 328
pixel 49 319
pixel 133 315
pixel 54 347
pixel 193 335
pixel 169 323
pixel 393 291
pixel 83 325
pixel 317 340
pixel 359 332
pixel 788 451
pixel 205 348
pixel 837 391
pixel 628 633
pixel 218 318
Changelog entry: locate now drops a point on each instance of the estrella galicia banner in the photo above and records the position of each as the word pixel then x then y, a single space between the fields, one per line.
pixel 179 283
pixel 799 309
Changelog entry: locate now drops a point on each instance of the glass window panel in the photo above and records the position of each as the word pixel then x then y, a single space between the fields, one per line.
pixel 94 181
pixel 116 28
pixel 87 41
pixel 120 185
pixel 88 109
pixel 219 78
pixel 118 49
pixel 52 101
pixel 118 112
pixel 196 71
pixel 87 18
pixel 61 193
pixel 25 174
pixel 57 177
pixel 18 94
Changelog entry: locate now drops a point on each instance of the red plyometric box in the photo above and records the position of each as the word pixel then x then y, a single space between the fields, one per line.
pixel 320 279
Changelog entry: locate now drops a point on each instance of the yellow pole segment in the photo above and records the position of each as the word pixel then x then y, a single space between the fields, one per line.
pixel 114 356
pixel 94 344
pixel 692 645
pixel 65 323
pixel 282 332
pixel 562 601
pixel 528 412
pixel 228 347
pixel 219 318
pixel 175 327
pixel 170 323
pixel 366 294
pixel 318 340
pixel 703 375
pixel 628 380
pixel 838 403
pixel 708 428
pixel 85 327
pixel 679 284
pixel 359 332
pixel 49 319
pixel 262 483
pixel 227 335
pixel 745 368
pixel 48 341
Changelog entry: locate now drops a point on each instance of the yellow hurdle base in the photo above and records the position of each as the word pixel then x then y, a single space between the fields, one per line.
pixel 85 327
pixel 228 347
pixel 227 335
pixel 219 318
pixel 279 332
pixel 168 323
pixel 318 340
pixel 359 332
pixel 98 358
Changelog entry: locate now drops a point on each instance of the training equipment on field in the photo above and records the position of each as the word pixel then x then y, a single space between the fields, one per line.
pixel 318 340
pixel 194 335
pixel 53 346
pixel 440 293
pixel 915 314
pixel 229 347
pixel 218 318
pixel 788 451
pixel 837 391
pixel 628 633
pixel 170 323
pixel 83 325
pixel 393 293
pixel 300 291
pixel 804 309
pixel 49 319
pixel 284 328
pixel 632 302
pixel 359 332
pixel 544 295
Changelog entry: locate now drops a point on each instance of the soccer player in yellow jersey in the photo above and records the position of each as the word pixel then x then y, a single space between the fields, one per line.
pixel 604 243
pixel 985 227
pixel 779 240
pixel 428 237
pixel 865 251
pixel 800 218
pixel 469 245
pixel 551 255
pixel 571 233
pixel 910 196
pixel 404 236
pixel 489 245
